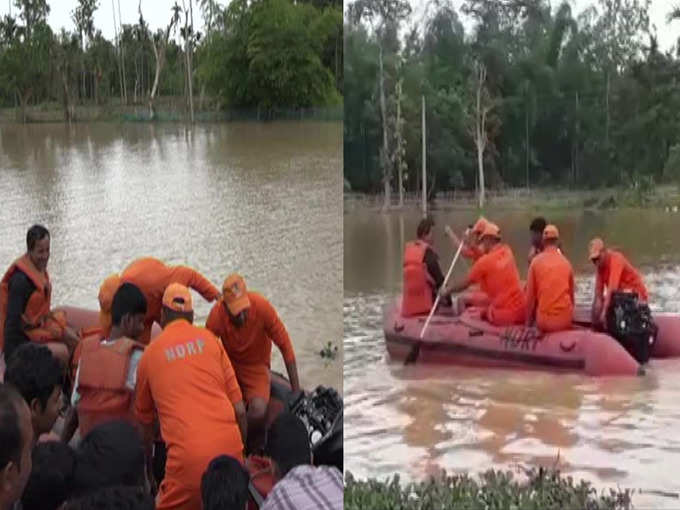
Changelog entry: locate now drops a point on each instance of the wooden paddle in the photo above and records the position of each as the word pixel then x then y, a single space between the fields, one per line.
pixel 415 351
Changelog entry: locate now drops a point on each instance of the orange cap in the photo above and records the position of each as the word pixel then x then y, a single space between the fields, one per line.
pixel 551 232
pixel 234 294
pixel 491 230
pixel 480 226
pixel 178 298
pixel 107 290
pixel 595 248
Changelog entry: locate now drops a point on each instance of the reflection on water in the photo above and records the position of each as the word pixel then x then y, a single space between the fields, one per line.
pixel 263 200
pixel 419 419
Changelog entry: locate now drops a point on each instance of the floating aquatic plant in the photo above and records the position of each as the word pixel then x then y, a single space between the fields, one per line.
pixel 541 489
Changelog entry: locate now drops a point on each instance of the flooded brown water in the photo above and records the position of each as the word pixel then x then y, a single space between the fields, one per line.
pixel 417 420
pixel 260 199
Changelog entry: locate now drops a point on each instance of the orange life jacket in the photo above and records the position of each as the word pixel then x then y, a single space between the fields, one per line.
pixel 40 325
pixel 84 334
pixel 261 480
pixel 104 395
pixel 418 284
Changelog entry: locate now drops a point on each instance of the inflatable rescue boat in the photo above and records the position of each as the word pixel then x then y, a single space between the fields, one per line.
pixel 468 340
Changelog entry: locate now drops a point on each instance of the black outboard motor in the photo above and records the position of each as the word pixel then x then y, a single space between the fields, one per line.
pixel 321 412
pixel 630 322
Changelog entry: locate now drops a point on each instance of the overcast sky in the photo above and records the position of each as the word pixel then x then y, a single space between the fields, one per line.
pixel 667 34
pixel 156 13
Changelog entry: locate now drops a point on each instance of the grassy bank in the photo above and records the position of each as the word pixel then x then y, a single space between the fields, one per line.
pixel 666 196
pixel 168 109
pixel 540 489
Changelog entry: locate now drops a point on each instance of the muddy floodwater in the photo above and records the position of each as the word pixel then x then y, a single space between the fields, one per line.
pixel 419 419
pixel 260 199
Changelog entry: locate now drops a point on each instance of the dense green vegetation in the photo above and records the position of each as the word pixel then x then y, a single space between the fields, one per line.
pixel 528 96
pixel 260 55
pixel 494 490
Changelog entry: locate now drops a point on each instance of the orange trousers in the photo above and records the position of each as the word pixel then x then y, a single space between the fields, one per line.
pixel 506 316
pixel 552 323
pixel 253 380
pixel 181 487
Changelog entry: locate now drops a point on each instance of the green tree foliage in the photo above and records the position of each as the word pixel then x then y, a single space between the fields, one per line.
pixel 577 101
pixel 273 53
pixel 267 54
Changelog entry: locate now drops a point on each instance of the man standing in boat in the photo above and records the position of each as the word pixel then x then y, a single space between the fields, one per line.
pixel 423 276
pixel 185 377
pixel 497 275
pixel 550 286
pixel 26 299
pixel 613 273
pixel 247 324
pixel 152 277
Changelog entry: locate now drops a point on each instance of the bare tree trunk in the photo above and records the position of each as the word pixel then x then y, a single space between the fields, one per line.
pixel 122 58
pixel 159 53
pixel 424 150
pixel 578 135
pixel 23 100
pixel 385 150
pixel 68 112
pixel 606 132
pixel 526 128
pixel 187 52
pixel 398 151
pixel 480 128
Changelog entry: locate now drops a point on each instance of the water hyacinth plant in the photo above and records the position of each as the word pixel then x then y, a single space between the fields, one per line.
pixel 541 489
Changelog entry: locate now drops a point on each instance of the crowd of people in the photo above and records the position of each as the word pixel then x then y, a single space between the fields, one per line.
pixel 120 415
pixel 545 301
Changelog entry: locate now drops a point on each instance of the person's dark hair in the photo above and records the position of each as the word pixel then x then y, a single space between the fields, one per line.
pixel 10 428
pixel 171 315
pixel 128 299
pixel 111 454
pixel 424 227
pixel 288 443
pixel 51 479
pixel 36 233
pixel 224 484
pixel 113 498
pixel 538 225
pixel 35 372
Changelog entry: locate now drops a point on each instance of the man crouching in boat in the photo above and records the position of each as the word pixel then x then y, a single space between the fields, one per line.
pixel 497 275
pixel 107 369
pixel 152 277
pixel 550 286
pixel 25 301
pixel 247 324
pixel 186 379
pixel 614 273
pixel 422 275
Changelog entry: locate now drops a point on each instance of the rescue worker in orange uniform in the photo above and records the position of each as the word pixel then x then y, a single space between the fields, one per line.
pixel 422 275
pixel 107 370
pixel 152 276
pixel 185 376
pixel 550 286
pixel 497 275
pixel 472 248
pixel 25 302
pixel 614 273
pixel 247 324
